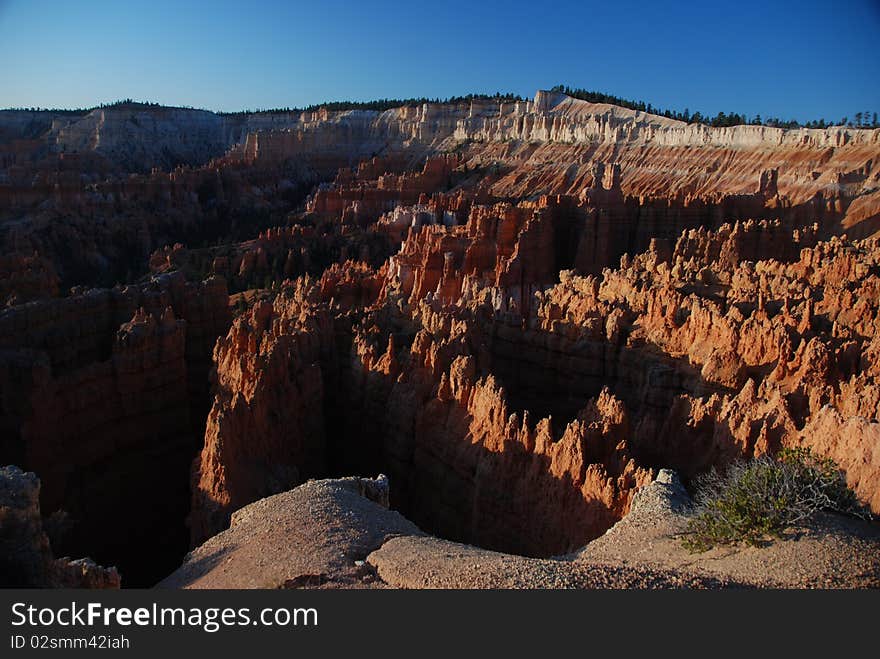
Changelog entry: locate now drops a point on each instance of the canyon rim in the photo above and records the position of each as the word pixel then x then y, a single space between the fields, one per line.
pixel 492 341
pixel 519 312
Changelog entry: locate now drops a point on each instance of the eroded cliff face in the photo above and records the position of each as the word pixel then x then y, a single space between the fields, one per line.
pixel 104 394
pixel 519 312
pixel 133 136
pixel 68 181
pixel 60 227
pixel 528 429
pixel 519 374
pixel 419 410
pixel 265 431
pixel 786 350
pixel 554 144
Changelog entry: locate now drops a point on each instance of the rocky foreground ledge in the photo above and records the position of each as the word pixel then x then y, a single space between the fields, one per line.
pixel 340 534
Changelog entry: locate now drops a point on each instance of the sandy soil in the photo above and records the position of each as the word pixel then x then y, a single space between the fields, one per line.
pixel 328 534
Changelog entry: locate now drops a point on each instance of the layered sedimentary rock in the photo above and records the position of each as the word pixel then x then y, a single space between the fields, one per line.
pixel 136 136
pixel 101 393
pixel 553 145
pixel 265 430
pixel 528 428
pixel 366 195
pixel 785 349
pixel 430 419
pixel 100 230
pixel 663 175
pixel 519 312
pixel 681 335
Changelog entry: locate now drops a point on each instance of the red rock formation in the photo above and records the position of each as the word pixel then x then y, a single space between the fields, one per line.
pixel 689 357
pixel 265 432
pixel 512 485
pixel 99 405
pixel 777 343
pixel 460 465
pixel 637 176
pixel 516 310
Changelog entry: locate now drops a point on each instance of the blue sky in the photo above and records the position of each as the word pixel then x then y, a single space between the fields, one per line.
pixel 799 60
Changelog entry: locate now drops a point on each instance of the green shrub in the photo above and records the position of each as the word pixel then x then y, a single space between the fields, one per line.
pixel 764 496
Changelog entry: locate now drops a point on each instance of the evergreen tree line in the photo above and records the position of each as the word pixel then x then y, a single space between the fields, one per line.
pixel 125 103
pixel 380 105
pixel 722 119
pixel 860 119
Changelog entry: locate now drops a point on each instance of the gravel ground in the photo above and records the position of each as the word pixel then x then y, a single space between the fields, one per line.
pixel 315 535
pixel 831 552
pixel 338 534
pixel 426 562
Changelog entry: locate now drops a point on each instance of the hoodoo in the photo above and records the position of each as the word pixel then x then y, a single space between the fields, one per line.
pixel 524 313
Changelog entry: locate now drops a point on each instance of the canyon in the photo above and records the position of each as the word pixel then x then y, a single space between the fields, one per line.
pixel 522 313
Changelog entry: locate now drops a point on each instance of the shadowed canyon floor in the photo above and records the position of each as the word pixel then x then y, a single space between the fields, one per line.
pixel 521 312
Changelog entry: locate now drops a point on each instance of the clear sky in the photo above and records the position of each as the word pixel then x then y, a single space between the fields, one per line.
pixel 800 60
